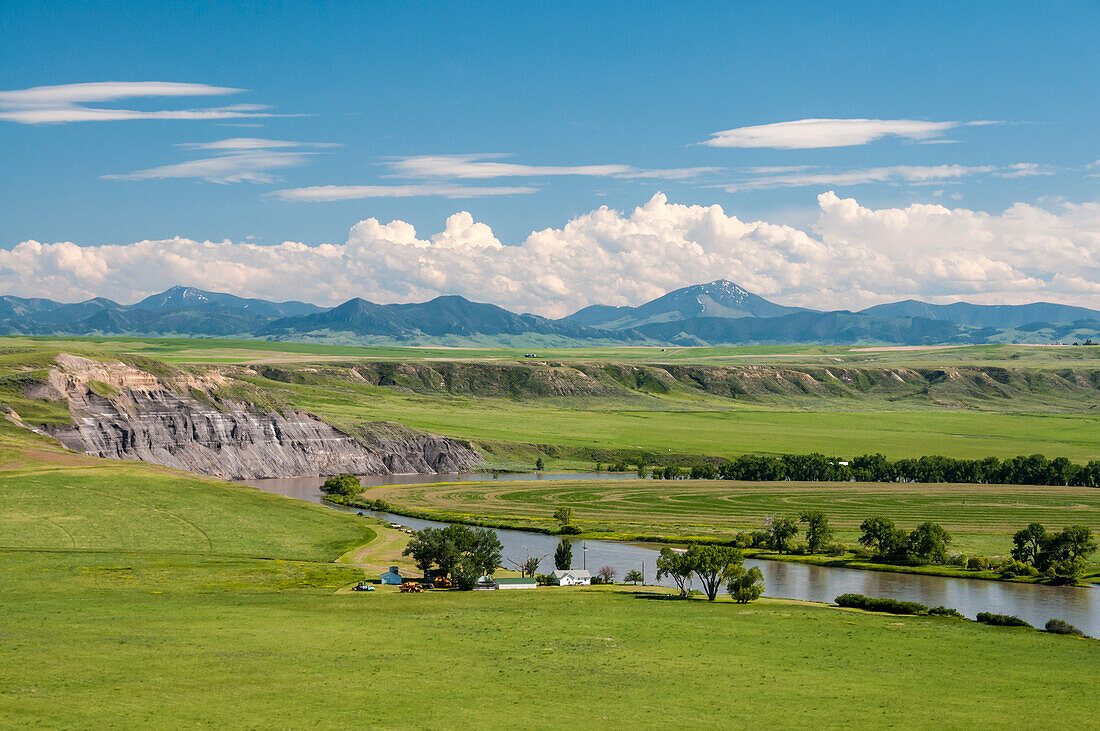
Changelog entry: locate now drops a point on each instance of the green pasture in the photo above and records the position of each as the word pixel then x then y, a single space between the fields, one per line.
pixel 201 350
pixel 980 518
pixel 50 500
pixel 138 596
pixel 711 427
pixel 92 641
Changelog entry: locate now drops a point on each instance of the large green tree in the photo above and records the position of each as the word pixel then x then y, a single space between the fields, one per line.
pixel 780 531
pixel 883 537
pixel 712 565
pixel 674 565
pixel 818 532
pixel 458 551
pixel 1028 544
pixel 928 542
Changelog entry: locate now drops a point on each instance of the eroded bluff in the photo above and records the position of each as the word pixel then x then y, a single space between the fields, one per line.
pixel 122 412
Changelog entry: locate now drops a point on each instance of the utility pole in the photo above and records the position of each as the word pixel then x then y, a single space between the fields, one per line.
pixel 584 556
pixel 643 572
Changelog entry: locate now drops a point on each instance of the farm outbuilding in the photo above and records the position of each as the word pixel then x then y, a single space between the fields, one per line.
pixel 392 576
pixel 527 582
pixel 572 577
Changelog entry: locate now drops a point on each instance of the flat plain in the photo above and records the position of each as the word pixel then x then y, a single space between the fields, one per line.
pixel 980 518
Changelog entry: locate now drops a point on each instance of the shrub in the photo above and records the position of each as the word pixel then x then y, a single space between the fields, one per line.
pixel 1001 620
pixel 1062 627
pixel 836 549
pixel 957 559
pixel 545 580
pixel 800 549
pixel 346 485
pixel 977 563
pixel 861 552
pixel 942 611
pixel 569 530
pixel 742 540
pixel 1011 568
pixel 745 585
pixel 873 604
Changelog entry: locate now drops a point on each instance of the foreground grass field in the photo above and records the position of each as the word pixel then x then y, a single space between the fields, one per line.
pixel 980 518
pixel 181 644
pixel 139 596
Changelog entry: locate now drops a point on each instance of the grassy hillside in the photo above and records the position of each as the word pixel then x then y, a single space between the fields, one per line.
pixel 981 518
pixel 136 596
pixel 839 401
pixel 57 501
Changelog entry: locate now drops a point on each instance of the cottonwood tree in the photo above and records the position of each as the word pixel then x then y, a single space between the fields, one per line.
pixel 818 532
pixel 674 565
pixel 928 542
pixel 463 553
pixel 1076 542
pixel 1027 544
pixel 563 555
pixel 634 576
pixel 780 532
pixel 745 585
pixel 712 565
pixel 881 535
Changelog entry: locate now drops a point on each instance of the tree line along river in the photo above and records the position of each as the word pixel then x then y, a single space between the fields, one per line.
pixel 1080 606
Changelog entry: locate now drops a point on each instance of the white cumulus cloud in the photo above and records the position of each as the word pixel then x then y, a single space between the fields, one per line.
pixel 854 256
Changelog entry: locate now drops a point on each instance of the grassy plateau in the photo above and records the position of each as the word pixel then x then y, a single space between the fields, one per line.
pixel 980 518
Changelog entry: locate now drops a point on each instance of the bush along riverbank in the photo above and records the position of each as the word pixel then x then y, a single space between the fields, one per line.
pixel 916 609
pixel 884 547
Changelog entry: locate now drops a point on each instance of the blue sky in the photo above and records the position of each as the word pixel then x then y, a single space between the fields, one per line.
pixel 596 105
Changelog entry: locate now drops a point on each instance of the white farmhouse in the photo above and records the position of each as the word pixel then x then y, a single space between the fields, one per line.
pixel 572 577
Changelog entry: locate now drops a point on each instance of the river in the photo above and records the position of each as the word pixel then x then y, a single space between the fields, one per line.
pixel 1080 606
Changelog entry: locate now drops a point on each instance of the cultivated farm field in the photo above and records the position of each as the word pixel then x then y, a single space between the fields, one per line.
pixel 980 518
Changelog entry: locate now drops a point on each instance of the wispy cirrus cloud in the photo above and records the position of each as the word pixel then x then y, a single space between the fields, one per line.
pixel 802 134
pixel 329 193
pixel 482 166
pixel 1025 170
pixel 912 174
pixel 70 102
pixel 240 160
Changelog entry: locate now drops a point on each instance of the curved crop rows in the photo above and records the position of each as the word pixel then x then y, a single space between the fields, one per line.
pixel 709 506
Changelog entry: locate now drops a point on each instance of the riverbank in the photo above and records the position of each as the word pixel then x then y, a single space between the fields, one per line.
pixel 539 524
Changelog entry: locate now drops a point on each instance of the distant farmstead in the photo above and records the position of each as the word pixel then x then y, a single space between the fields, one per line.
pixel 572 577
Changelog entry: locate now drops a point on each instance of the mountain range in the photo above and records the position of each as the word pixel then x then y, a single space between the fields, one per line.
pixel 716 313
